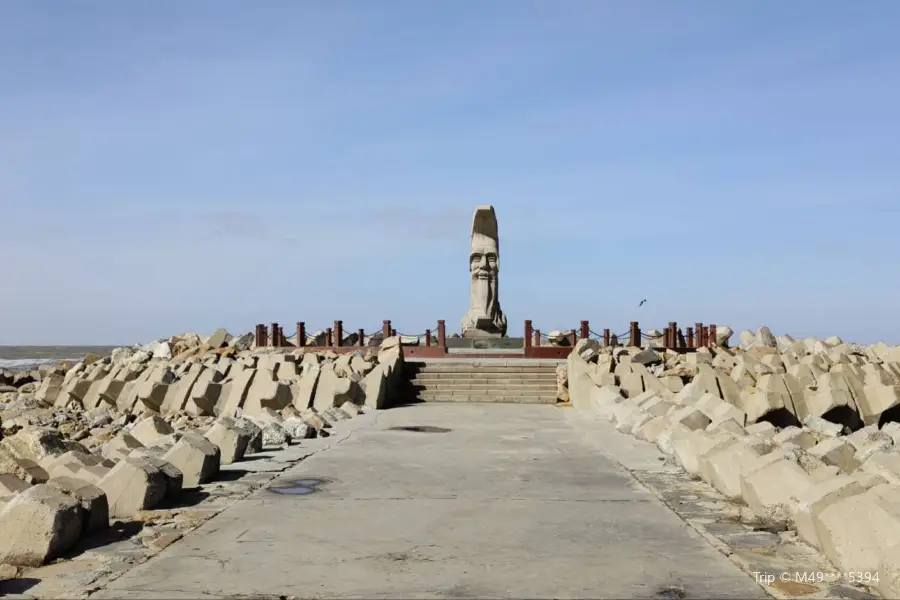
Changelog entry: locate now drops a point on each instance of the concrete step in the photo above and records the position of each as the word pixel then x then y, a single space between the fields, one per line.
pixel 463 378
pixel 464 368
pixel 482 374
pixel 431 375
pixel 491 399
pixel 483 385
pixel 477 392
pixel 503 382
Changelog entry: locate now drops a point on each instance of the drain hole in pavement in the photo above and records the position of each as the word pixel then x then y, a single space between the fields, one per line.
pixel 300 487
pixel 420 429
pixel 670 593
pixel 771 527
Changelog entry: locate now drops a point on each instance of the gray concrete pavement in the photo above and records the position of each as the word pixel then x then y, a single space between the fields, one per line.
pixel 512 502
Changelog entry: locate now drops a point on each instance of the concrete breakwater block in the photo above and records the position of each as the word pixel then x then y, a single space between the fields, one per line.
pixel 39 524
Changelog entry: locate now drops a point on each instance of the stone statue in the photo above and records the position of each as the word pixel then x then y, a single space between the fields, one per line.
pixel 484 319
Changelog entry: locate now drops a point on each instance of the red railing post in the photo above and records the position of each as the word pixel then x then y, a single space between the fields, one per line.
pixel 673 334
pixel 635 334
pixel 328 338
pixel 690 337
pixel 529 331
pixel 442 334
pixel 537 337
pixel 274 337
pixel 338 333
pixel 386 329
pixel 427 337
pixel 585 332
pixel 265 336
pixel 361 334
pixel 606 338
pixel 705 337
pixel 698 335
pixel 713 341
pixel 301 334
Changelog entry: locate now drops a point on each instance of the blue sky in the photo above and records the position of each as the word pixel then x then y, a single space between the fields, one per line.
pixel 182 166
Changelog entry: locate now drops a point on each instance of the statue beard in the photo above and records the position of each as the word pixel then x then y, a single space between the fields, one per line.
pixel 485 281
pixel 491 307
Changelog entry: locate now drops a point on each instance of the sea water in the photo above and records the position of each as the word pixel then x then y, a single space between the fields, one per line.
pixel 26 364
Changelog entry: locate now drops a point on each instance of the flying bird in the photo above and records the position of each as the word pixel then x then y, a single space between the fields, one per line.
pixel 642 302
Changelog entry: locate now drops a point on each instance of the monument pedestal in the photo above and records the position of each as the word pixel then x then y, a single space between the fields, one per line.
pixel 482 328
pixel 480 334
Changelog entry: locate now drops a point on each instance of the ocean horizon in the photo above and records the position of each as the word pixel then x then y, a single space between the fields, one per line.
pixel 24 358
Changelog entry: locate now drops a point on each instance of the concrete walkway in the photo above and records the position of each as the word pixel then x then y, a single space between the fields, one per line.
pixel 512 502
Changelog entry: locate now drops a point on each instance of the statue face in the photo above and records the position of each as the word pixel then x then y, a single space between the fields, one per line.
pixel 483 263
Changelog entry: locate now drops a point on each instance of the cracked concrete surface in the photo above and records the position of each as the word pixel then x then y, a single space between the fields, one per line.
pixel 510 503
pixel 516 501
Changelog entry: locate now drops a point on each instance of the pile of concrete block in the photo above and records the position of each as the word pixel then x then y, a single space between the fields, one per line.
pixel 804 433
pixel 207 381
pixel 113 436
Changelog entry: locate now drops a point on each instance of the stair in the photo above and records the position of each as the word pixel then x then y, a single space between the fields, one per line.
pixel 513 381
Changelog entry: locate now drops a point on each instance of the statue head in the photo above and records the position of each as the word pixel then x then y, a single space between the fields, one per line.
pixel 484 257
pixel 484 263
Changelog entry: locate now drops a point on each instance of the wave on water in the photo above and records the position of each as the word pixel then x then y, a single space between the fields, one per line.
pixel 24 364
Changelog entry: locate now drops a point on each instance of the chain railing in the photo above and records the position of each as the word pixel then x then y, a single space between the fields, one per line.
pixel 671 337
